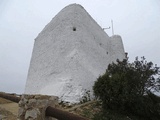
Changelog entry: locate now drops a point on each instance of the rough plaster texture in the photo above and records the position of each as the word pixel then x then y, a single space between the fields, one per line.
pixel 69 55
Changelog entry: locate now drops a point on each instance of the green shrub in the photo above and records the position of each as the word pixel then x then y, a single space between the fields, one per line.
pixel 126 88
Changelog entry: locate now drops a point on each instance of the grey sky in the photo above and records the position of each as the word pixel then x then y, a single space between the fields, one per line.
pixel 137 21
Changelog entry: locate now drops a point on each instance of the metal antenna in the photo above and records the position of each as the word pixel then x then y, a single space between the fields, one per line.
pixel 112 27
pixel 106 28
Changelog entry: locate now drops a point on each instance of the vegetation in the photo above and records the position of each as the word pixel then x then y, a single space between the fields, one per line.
pixel 86 97
pixel 126 89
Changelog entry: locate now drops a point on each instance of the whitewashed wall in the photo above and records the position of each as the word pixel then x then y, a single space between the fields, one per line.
pixel 65 62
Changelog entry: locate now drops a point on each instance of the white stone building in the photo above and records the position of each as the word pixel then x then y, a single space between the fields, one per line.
pixel 69 55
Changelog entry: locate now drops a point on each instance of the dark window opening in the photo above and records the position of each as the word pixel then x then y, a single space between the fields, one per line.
pixel 74 28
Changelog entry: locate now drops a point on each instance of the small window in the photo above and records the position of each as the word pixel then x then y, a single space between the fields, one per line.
pixel 74 28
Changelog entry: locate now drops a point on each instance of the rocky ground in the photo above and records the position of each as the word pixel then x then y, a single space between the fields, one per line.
pixel 8 110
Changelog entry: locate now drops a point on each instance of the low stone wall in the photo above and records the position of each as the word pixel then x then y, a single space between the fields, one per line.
pixel 33 107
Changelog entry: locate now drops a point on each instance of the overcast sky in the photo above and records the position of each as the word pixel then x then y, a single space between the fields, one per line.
pixel 137 21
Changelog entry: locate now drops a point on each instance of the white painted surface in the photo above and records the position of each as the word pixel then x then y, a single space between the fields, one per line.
pixel 66 63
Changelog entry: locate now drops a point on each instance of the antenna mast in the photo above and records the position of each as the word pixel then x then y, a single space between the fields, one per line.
pixel 112 27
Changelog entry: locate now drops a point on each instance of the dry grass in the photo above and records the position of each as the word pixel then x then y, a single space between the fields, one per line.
pixel 3 101
pixel 4 112
pixel 9 115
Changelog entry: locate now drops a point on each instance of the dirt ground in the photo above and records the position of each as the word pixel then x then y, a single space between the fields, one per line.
pixel 8 110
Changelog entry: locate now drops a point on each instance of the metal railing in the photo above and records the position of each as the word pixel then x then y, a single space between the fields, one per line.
pixel 10 97
pixel 62 115
pixel 50 111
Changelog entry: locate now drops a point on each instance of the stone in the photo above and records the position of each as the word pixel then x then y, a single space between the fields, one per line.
pixel 23 102
pixel 31 103
pixel 53 98
pixel 32 114
pixel 20 111
pixel 35 107
pixel 2 117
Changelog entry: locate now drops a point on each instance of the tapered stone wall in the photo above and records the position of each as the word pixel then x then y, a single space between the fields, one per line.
pixel 69 55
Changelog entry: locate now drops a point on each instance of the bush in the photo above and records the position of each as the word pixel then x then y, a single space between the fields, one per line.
pixel 126 88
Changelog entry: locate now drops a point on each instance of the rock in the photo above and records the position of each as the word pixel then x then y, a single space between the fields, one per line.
pixel 20 111
pixel 2 117
pixel 33 107
pixel 32 114
pixel 32 102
